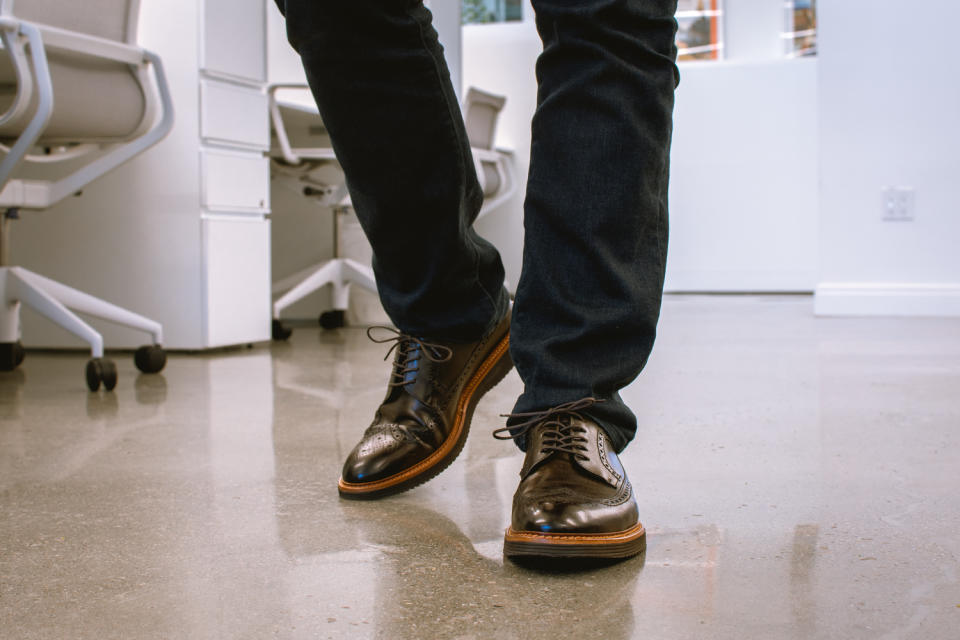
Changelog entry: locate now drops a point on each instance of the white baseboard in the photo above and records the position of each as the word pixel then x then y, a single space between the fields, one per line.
pixel 886 299
pixel 740 280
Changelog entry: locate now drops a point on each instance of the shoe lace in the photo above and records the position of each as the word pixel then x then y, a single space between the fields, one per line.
pixel 560 433
pixel 409 350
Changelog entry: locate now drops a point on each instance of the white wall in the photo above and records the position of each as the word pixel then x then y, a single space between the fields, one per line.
pixel 743 198
pixel 752 29
pixel 889 100
pixel 744 174
pixel 446 20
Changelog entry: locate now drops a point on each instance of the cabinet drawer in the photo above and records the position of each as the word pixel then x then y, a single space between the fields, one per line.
pixel 236 281
pixel 234 181
pixel 233 38
pixel 234 114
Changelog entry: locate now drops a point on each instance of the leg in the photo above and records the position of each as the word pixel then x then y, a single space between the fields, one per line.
pixel 383 89
pixel 381 83
pixel 596 209
pixel 594 256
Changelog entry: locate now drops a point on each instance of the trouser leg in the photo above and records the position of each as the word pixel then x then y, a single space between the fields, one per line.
pixel 595 215
pixel 383 89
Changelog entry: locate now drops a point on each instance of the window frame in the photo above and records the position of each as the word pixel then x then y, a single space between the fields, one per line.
pixel 790 35
pixel 716 49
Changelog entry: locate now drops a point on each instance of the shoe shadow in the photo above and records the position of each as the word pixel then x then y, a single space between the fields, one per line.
pixel 434 582
pixel 565 566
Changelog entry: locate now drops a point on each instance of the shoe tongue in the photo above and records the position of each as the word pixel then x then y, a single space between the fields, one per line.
pixel 537 454
pixel 534 459
pixel 411 362
pixel 601 461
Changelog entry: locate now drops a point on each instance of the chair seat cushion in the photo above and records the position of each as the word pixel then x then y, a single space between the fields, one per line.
pixel 93 101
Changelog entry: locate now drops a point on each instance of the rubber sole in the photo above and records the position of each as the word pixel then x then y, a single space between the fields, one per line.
pixel 491 371
pixel 532 544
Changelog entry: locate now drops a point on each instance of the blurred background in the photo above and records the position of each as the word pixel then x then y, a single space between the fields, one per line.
pixel 814 153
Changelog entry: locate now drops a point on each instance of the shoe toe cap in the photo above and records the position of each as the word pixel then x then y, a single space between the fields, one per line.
pixel 380 455
pixel 550 516
pixel 561 516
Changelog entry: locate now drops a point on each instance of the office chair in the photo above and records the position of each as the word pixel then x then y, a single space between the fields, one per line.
pixel 481 111
pixel 301 145
pixel 298 160
pixel 77 98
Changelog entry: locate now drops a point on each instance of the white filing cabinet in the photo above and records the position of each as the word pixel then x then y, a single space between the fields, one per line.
pixel 182 233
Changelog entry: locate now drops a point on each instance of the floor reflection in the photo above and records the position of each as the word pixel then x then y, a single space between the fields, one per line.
pixel 803 556
pixel 796 477
pixel 397 568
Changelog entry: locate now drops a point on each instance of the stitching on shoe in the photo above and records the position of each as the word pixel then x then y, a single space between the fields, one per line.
pixel 603 456
pixel 620 498
pixel 479 353
pixel 572 537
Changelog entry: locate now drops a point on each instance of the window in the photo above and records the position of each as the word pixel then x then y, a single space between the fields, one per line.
pixel 479 11
pixel 800 28
pixel 699 34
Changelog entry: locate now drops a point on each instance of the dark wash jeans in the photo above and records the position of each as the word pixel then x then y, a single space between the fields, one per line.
pixel 595 215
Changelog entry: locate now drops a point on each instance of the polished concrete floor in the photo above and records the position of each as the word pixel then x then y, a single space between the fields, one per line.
pixel 799 478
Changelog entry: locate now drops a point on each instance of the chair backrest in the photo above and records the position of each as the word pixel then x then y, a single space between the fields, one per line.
pixel 304 128
pixel 111 19
pixel 480 113
pixel 94 100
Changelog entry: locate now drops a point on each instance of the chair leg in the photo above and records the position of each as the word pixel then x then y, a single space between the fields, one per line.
pixel 285 284
pixel 340 273
pixel 9 310
pixel 86 303
pixel 359 274
pixel 329 273
pixel 11 351
pixel 27 291
pixel 340 296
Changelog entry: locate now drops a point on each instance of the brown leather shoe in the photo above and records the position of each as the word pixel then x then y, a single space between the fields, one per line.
pixel 423 422
pixel 574 499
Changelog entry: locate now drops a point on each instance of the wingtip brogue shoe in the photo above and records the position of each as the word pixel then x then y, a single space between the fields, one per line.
pixel 574 499
pixel 422 424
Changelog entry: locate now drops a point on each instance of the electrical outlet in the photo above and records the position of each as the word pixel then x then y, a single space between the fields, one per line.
pixel 898 204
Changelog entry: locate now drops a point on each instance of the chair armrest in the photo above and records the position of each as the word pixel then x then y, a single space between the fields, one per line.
pixel 277 121
pixel 59 39
pixel 488 155
pixel 63 40
pixel 272 88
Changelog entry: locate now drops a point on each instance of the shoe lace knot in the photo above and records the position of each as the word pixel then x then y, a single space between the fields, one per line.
pixel 409 352
pixel 561 432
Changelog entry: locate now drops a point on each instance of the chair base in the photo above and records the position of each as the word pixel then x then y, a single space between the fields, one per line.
pixel 11 355
pixel 54 301
pixel 339 272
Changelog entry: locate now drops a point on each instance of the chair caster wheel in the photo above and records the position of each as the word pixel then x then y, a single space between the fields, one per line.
pixel 333 319
pixel 280 332
pixel 150 358
pixel 101 370
pixel 11 355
